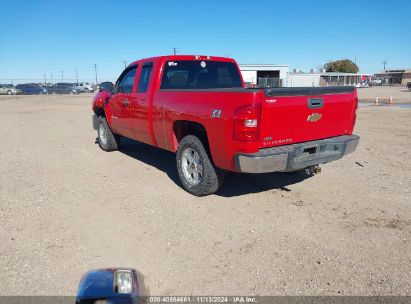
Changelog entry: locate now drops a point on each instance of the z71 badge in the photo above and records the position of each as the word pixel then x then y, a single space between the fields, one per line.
pixel 216 113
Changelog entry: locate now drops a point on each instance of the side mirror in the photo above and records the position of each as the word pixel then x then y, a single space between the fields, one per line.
pixel 106 86
pixel 111 285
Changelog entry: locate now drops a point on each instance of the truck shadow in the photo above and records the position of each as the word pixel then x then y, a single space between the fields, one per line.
pixel 235 184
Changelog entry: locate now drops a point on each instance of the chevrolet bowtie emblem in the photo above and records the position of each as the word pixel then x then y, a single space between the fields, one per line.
pixel 314 117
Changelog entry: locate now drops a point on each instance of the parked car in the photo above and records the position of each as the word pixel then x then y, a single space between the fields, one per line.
pixel 362 85
pixel 63 88
pixel 8 89
pixel 409 86
pixel 31 89
pixel 84 87
pixel 111 285
pixel 198 107
pixel 377 82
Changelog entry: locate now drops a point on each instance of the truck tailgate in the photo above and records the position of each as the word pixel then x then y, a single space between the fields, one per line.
pixel 293 115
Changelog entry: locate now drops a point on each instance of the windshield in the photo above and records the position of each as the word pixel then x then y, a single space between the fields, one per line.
pixel 196 74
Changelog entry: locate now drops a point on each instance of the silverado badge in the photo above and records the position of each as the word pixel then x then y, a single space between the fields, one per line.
pixel 314 117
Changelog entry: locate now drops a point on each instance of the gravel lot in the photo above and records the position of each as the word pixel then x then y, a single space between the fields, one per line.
pixel 66 207
pixel 399 94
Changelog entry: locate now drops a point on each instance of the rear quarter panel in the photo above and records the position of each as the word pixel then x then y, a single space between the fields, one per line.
pixel 197 106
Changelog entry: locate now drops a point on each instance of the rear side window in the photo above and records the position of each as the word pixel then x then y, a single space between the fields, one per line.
pixel 125 84
pixel 144 77
pixel 197 74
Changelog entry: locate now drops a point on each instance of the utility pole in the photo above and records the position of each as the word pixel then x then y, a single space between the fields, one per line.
pixel 175 51
pixel 45 81
pixel 95 71
pixel 51 77
pixel 76 76
pixel 125 63
pixel 62 75
pixel 385 63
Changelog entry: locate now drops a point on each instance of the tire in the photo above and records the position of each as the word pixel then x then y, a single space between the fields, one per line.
pixel 9 92
pixel 106 139
pixel 197 173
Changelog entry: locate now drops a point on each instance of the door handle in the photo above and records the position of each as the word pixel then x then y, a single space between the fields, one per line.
pixel 125 102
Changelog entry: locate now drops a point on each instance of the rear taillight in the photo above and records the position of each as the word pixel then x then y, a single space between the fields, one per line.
pixel 246 123
pixel 356 106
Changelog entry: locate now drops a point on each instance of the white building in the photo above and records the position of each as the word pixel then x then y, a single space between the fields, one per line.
pixel 303 80
pixel 273 75
pixel 322 79
pixel 278 75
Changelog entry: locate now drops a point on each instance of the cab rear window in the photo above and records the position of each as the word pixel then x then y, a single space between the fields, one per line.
pixel 197 74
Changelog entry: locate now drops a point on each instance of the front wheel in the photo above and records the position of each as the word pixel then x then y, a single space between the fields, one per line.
pixel 196 171
pixel 9 92
pixel 106 139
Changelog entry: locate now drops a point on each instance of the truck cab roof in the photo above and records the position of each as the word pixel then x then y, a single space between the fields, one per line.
pixel 184 57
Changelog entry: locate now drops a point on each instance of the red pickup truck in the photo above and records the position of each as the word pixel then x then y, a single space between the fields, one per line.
pixel 198 107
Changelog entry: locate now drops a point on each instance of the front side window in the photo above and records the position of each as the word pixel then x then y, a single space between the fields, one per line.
pixel 144 78
pixel 125 84
pixel 197 74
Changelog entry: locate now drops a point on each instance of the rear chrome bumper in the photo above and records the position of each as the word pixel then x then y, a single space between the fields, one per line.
pixel 297 156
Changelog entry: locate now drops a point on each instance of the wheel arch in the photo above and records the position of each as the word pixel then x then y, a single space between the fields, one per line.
pixel 182 128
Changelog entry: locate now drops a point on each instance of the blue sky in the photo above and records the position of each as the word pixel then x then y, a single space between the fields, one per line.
pixel 44 37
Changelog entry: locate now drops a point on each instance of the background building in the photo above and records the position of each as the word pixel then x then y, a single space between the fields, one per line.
pixel 264 75
pixel 303 80
pixel 323 79
pixel 395 76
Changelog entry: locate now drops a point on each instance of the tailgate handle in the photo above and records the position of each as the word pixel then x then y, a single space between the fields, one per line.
pixel 315 103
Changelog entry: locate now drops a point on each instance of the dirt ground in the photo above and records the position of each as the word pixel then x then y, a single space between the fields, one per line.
pixel 66 207
pixel 399 94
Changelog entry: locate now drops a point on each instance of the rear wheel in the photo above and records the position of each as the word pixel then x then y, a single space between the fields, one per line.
pixel 9 92
pixel 196 171
pixel 106 139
